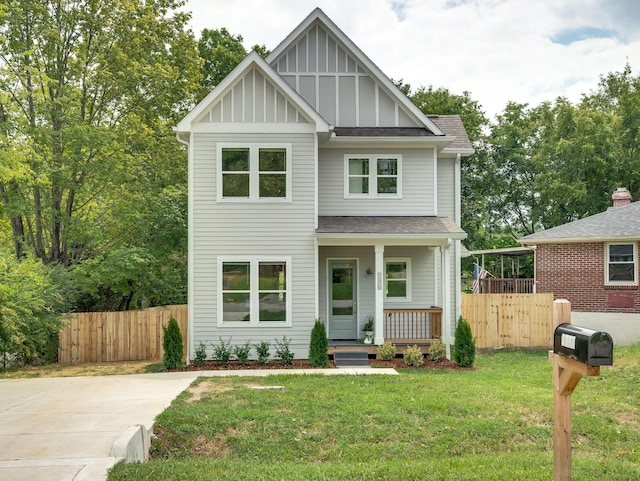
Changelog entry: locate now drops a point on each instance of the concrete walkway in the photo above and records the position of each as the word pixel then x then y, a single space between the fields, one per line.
pixel 76 428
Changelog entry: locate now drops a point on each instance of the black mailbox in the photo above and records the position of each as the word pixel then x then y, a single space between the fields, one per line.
pixel 593 348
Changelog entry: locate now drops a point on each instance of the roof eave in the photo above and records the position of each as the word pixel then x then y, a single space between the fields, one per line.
pixel 578 240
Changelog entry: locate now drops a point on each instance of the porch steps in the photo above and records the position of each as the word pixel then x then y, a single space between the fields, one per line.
pixel 351 359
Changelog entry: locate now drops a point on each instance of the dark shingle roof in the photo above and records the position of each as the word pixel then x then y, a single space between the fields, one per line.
pixel 452 125
pixel 382 132
pixel 614 223
pixel 430 226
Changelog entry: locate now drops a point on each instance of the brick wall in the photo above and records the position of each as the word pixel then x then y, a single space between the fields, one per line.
pixel 576 272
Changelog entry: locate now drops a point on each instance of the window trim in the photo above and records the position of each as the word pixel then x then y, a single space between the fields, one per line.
pixel 373 176
pixel 254 171
pixel 254 290
pixel 395 260
pixel 607 281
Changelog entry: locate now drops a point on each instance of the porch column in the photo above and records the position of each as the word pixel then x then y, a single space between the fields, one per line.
pixel 379 309
pixel 445 259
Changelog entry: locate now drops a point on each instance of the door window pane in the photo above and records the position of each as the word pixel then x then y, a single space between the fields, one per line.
pixel 342 291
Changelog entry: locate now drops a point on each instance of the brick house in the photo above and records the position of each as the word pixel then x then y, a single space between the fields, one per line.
pixel 593 263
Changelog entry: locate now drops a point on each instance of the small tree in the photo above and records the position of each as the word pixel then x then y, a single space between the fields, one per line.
pixel 319 346
pixel 464 353
pixel 172 344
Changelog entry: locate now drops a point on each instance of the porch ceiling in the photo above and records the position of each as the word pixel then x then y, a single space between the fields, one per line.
pixel 429 230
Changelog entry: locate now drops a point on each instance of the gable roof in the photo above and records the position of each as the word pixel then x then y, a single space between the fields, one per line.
pixel 318 17
pixel 616 223
pixel 251 61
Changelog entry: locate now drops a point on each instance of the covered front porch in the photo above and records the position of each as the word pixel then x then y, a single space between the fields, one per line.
pixel 397 274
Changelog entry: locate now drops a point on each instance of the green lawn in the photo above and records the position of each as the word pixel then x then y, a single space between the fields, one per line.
pixel 492 423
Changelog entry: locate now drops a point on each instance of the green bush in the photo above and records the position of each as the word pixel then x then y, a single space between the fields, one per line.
pixel 387 351
pixel 222 353
pixel 201 355
pixel 262 351
pixel 464 353
pixel 413 356
pixel 437 350
pixel 283 352
pixel 241 353
pixel 319 346
pixel 172 344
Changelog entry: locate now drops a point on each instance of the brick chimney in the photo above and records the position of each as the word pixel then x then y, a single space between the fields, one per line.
pixel 621 197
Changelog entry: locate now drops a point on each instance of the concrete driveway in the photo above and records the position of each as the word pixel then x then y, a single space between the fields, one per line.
pixel 75 428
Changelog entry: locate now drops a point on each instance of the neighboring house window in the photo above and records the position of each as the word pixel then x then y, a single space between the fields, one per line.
pixel 621 264
pixel 398 279
pixel 254 172
pixel 373 176
pixel 254 292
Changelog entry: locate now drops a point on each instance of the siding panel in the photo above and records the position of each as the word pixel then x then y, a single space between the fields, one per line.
pixel 264 229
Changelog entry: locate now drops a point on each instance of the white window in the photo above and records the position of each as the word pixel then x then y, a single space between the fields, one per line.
pixel 373 176
pixel 397 279
pixel 254 292
pixel 254 172
pixel 621 264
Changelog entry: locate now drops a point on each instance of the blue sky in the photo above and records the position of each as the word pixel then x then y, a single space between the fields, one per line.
pixel 498 50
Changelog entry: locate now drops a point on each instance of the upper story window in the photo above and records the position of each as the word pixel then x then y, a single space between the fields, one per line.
pixel 373 176
pixel 621 264
pixel 254 172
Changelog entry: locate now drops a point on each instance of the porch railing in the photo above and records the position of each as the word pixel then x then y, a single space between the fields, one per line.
pixel 404 326
pixel 506 286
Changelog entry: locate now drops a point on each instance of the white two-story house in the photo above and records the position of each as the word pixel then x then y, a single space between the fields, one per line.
pixel 317 190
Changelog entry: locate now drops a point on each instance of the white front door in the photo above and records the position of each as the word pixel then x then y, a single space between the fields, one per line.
pixel 343 308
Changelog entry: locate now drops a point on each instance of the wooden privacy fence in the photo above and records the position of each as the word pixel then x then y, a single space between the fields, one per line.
pixel 118 336
pixel 510 320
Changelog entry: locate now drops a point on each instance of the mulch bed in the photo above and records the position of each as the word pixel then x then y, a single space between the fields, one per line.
pixel 396 363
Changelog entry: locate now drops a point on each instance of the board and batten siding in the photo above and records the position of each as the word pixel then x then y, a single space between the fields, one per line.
pixel 332 80
pixel 253 229
pixel 417 185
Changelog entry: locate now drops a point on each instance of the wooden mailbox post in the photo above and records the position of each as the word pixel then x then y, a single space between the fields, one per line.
pixel 576 352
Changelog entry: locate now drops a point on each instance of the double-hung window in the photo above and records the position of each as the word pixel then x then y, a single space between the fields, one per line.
pixel 621 264
pixel 373 176
pixel 254 172
pixel 397 279
pixel 254 292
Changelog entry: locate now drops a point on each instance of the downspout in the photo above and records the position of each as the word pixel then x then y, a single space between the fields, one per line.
pixel 184 138
pixel 458 220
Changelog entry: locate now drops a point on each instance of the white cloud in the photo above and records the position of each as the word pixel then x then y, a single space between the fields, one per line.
pixel 499 50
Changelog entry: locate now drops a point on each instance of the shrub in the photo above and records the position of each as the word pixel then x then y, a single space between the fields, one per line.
pixel 387 351
pixel 319 346
pixel 241 353
pixel 262 351
pixel 222 353
pixel 283 352
pixel 413 356
pixel 437 351
pixel 201 355
pixel 464 353
pixel 172 344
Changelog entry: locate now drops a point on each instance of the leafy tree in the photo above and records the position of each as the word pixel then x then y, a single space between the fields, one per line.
pixel 29 323
pixel 90 91
pixel 221 52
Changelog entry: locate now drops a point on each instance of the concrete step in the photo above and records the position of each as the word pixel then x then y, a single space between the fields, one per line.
pixel 351 358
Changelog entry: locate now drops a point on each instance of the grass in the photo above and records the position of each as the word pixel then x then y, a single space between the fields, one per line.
pixel 61 370
pixel 493 423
